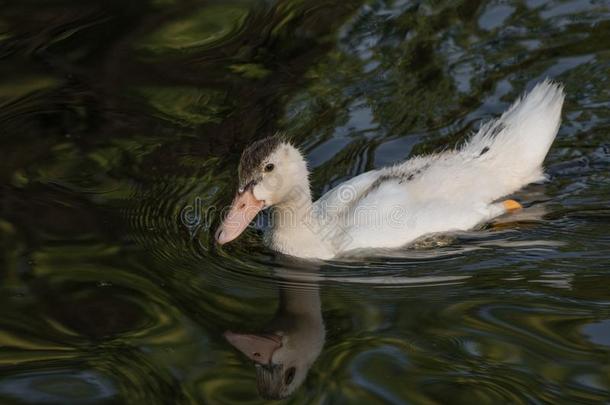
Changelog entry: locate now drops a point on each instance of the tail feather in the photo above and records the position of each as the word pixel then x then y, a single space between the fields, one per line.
pixel 503 156
pixel 515 145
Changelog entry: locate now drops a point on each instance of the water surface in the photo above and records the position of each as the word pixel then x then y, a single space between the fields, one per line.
pixel 121 126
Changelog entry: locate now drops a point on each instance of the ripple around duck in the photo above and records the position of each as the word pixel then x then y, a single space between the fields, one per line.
pixel 411 267
pixel 154 219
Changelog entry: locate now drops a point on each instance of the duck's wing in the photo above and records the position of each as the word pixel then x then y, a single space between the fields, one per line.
pixel 349 195
pixel 370 204
pixel 392 216
pixel 378 217
pixel 341 197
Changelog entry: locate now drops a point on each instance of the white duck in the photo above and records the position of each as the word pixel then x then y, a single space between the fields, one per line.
pixel 390 207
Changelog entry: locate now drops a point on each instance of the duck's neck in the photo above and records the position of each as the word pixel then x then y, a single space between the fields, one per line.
pixel 300 302
pixel 294 209
pixel 294 228
pixel 292 214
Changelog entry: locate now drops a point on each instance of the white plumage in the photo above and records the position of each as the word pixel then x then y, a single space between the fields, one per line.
pixel 392 206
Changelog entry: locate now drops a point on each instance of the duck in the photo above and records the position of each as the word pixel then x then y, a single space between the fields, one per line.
pixel 391 207
pixel 284 352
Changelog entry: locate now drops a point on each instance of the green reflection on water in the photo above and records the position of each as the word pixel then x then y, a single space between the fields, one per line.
pixel 116 117
pixel 202 27
pixel 184 105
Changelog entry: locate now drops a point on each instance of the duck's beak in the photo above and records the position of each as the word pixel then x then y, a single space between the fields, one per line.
pixel 243 210
pixel 259 348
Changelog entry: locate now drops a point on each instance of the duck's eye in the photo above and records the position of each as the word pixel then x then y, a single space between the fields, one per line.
pixel 269 167
pixel 289 375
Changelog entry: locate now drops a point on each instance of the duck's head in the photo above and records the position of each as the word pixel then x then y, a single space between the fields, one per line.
pixel 282 361
pixel 271 172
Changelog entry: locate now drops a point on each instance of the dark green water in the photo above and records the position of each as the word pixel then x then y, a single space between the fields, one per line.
pixel 121 125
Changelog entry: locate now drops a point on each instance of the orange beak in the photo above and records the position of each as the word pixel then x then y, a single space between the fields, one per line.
pixel 243 210
pixel 259 348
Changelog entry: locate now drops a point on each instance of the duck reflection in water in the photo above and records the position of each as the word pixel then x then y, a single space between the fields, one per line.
pixel 288 346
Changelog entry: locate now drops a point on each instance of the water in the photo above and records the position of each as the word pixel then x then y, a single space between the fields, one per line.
pixel 121 125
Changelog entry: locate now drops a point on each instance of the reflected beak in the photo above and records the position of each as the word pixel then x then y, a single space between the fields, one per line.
pixel 243 210
pixel 259 348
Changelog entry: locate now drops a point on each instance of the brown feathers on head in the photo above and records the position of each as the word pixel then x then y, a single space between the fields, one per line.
pixel 254 155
